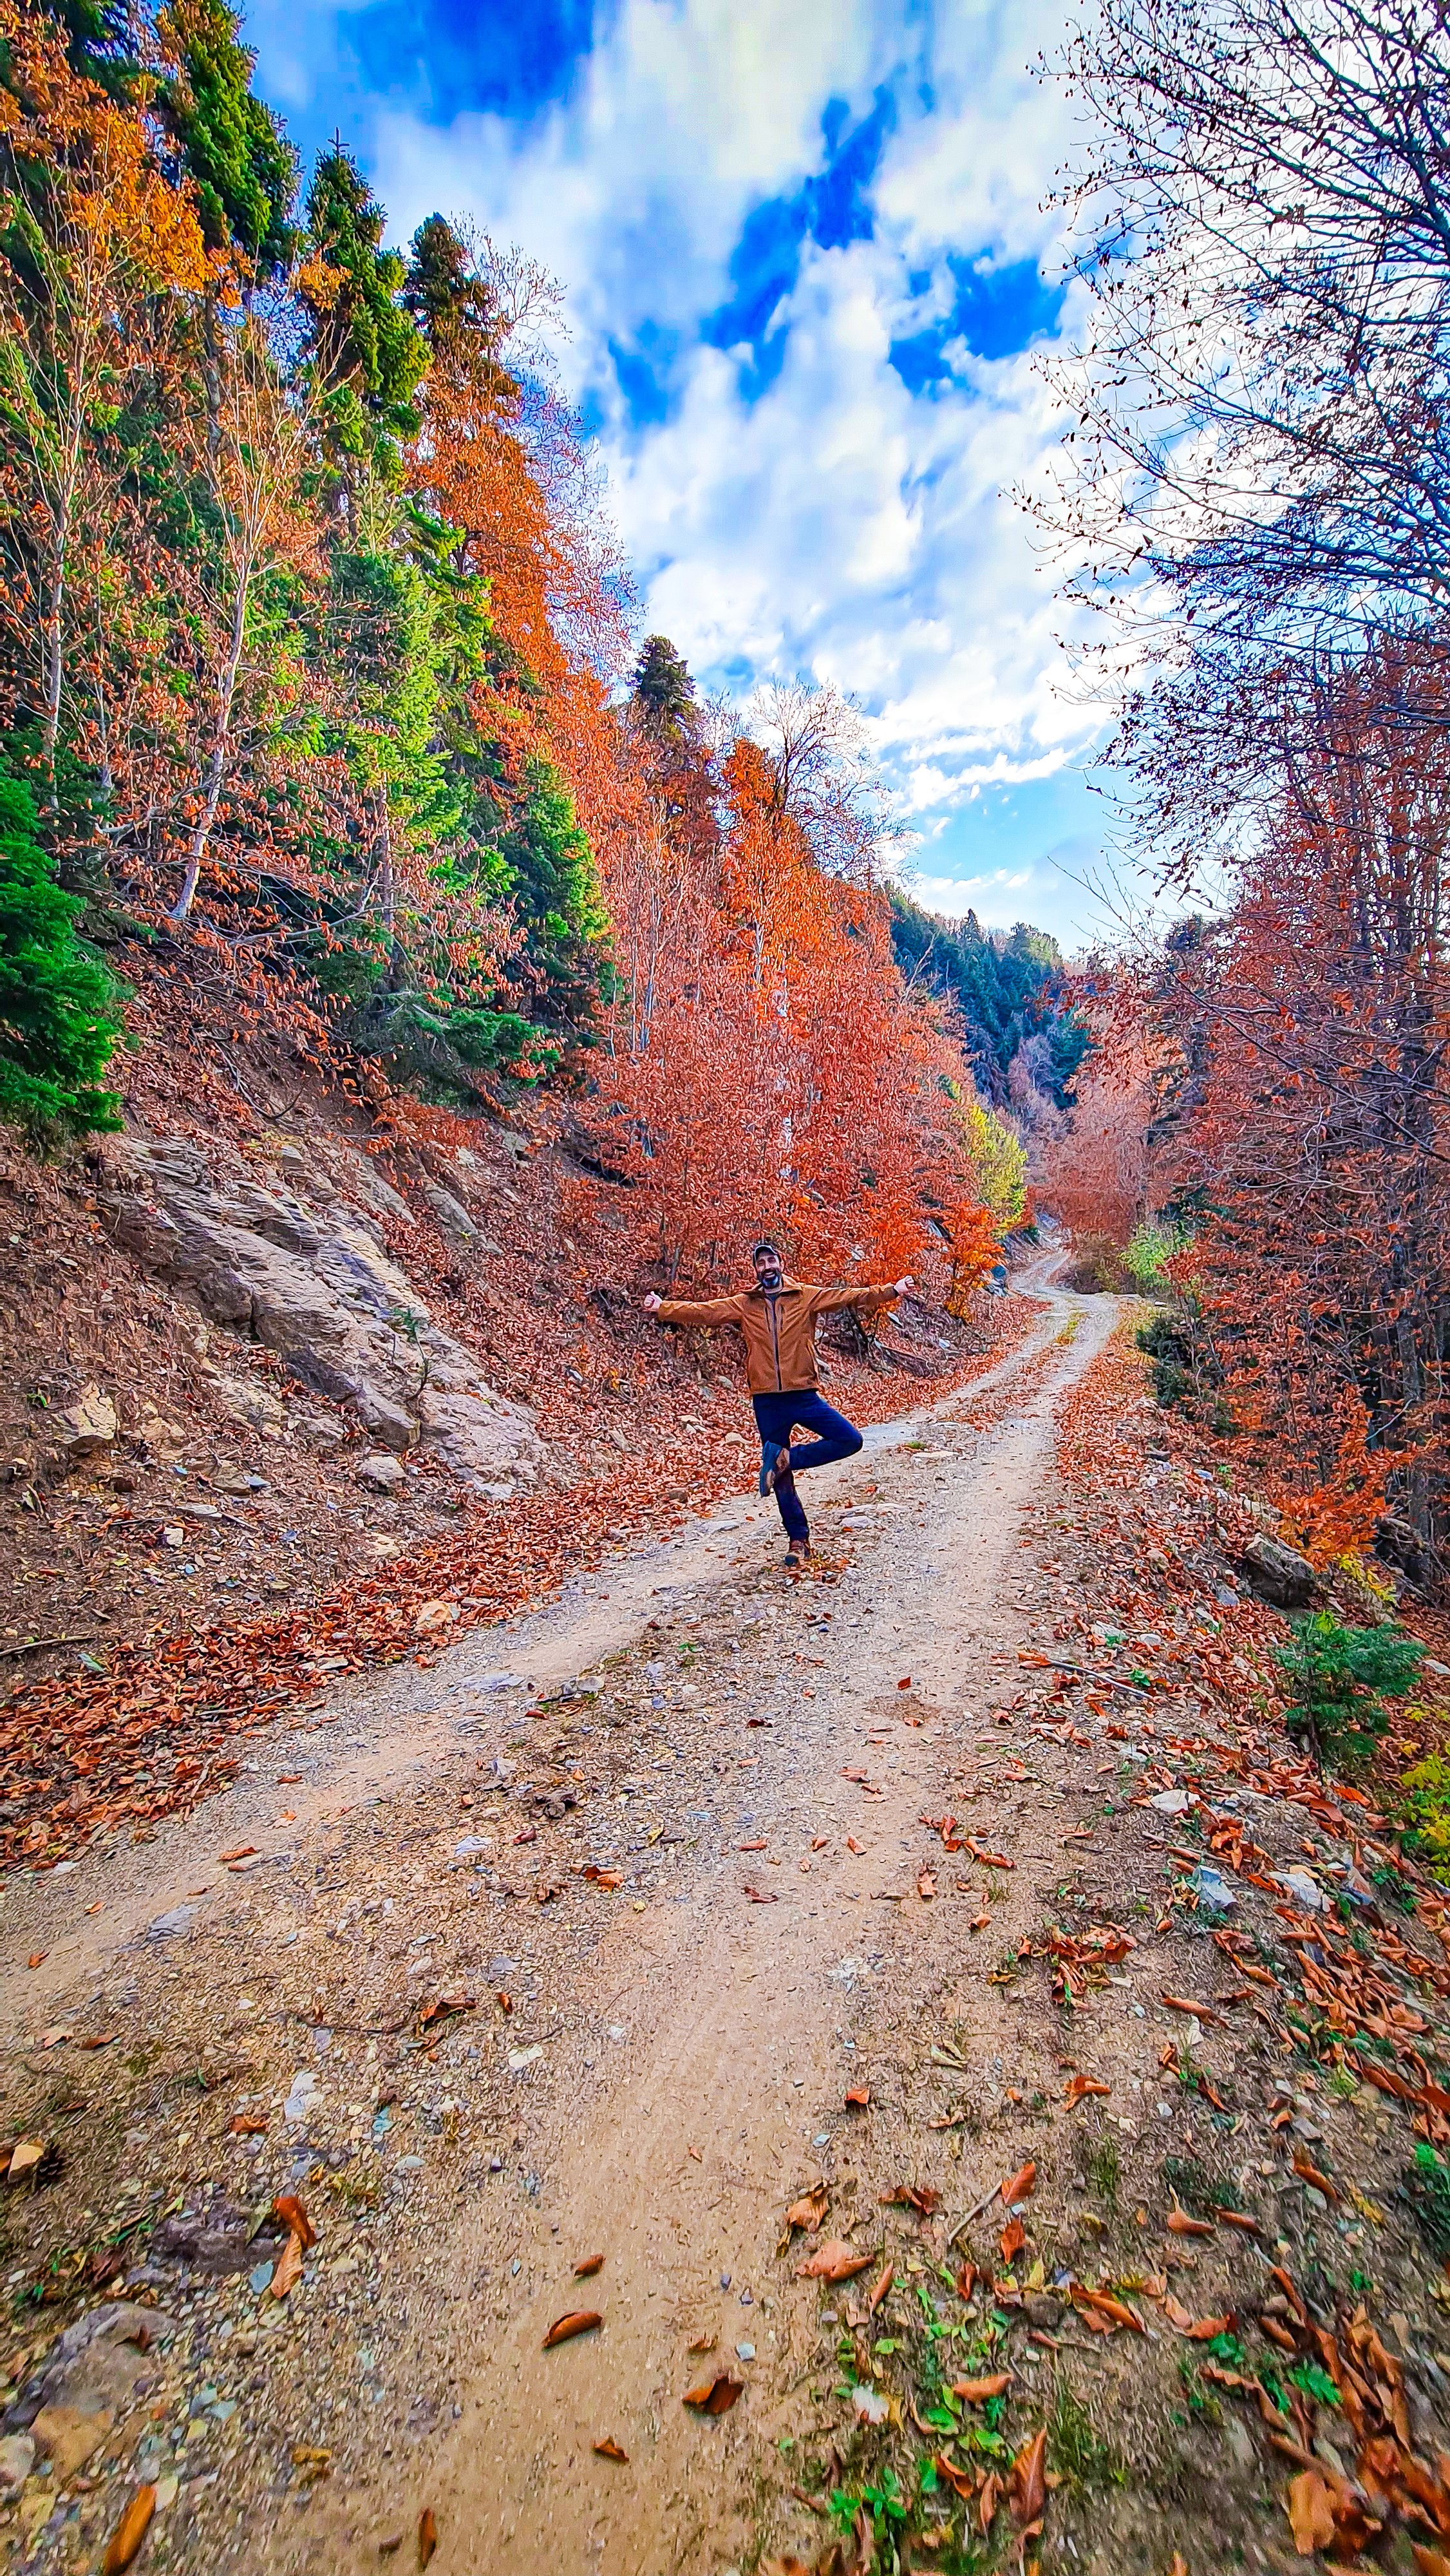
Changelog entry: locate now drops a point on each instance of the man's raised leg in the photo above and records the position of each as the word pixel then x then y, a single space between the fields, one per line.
pixel 835 1436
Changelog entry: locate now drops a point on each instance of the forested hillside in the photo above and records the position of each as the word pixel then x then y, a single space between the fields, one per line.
pixel 316 691
pixel 1008 992
pixel 401 970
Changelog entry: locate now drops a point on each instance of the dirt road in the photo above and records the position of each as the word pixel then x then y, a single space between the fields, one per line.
pixel 749 2021
pixel 676 2053
pixel 579 1945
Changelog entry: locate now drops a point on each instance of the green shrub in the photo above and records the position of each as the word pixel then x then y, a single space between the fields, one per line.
pixel 59 1009
pixel 1150 1249
pixel 1078 2452
pixel 1186 1368
pixel 1168 1349
pixel 1339 1680
pixel 1426 1812
pixel 1202 2194
pixel 1426 2186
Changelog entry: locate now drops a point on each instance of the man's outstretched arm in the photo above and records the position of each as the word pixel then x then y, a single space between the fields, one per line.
pixel 830 1301
pixel 685 1310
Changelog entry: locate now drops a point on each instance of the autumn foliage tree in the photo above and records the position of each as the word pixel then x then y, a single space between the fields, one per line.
pixel 767 1068
pixel 313 644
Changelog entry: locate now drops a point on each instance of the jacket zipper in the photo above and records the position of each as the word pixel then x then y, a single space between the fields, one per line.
pixel 774 1341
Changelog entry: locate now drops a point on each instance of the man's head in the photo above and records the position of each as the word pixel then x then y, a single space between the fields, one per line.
pixel 769 1270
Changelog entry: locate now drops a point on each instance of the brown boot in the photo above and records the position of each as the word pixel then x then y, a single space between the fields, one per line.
pixel 798 1551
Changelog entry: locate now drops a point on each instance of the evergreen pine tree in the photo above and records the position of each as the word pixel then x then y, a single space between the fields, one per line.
pixel 452 305
pixel 59 1020
pixel 232 146
pixel 664 693
pixel 368 355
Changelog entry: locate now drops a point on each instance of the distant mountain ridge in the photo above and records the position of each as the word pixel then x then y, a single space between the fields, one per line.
pixel 1008 990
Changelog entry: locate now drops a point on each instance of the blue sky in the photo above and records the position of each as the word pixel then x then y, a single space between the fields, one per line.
pixel 807 266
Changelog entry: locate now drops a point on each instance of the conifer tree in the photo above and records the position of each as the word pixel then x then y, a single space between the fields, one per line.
pixel 59 1020
pixel 241 165
pixel 368 357
pixel 664 693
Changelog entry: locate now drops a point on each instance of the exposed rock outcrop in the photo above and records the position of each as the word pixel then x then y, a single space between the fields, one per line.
pixel 319 1288
pixel 1277 1574
pixel 85 1426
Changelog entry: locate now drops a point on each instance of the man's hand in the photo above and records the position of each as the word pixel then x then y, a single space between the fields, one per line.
pixel 899 1287
pixel 652 1302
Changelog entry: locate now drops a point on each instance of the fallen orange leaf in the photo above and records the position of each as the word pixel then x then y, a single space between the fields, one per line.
pixel 585 2270
pixel 1311 2174
pixel 1028 2493
pixel 880 2288
pixel 833 2261
pixel 1310 2508
pixel 911 2195
pixel 443 2006
pixel 1020 2185
pixel 129 2533
pixel 578 2321
pixel 859 2098
pixel 288 2270
pixel 610 2450
pixel 292 2214
pixel 1012 2239
pixel 715 2396
pixel 986 1859
pixel 427 2535
pixel 1180 2224
pixel 1099 2305
pixel 975 2391
pixel 1080 2087
pixel 810 2209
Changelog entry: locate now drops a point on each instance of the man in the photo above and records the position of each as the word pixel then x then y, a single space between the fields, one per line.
pixel 776 1319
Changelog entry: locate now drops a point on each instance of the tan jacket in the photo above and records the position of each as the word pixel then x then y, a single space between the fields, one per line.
pixel 779 1331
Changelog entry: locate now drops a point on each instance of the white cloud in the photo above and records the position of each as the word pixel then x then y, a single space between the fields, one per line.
pixel 634 186
pixel 836 523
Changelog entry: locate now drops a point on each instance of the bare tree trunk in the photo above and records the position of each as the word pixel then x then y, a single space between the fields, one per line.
pixel 217 765
pixel 52 646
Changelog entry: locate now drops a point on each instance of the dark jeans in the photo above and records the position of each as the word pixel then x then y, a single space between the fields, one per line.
pixel 806 1409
